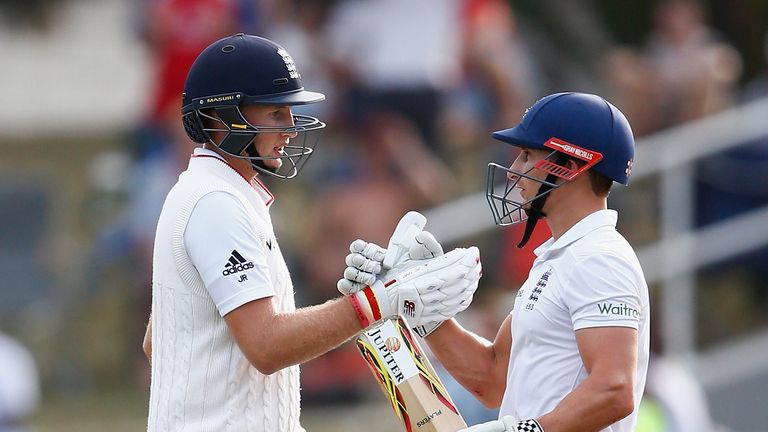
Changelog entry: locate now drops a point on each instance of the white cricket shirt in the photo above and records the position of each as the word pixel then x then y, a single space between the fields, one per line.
pixel 215 250
pixel 589 277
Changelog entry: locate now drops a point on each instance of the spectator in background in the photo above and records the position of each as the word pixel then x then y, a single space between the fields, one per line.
pixel 19 385
pixel 497 84
pixel 633 83
pixel 696 71
pixel 397 56
pixel 495 61
pixel 685 72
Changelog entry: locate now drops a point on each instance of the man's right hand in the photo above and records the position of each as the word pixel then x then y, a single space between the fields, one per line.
pixel 428 293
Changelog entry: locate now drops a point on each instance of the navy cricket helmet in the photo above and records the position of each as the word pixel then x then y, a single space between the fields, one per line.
pixel 576 126
pixel 248 70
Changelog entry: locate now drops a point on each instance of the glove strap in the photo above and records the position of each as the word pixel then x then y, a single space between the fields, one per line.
pixel 530 425
pixel 426 329
pixel 366 306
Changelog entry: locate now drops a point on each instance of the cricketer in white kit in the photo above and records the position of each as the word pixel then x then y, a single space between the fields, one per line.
pixel 573 353
pixel 225 338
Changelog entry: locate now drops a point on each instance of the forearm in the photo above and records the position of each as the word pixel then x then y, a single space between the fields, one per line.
pixel 595 404
pixel 470 359
pixel 299 336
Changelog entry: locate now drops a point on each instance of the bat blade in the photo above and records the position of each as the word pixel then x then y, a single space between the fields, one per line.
pixel 409 381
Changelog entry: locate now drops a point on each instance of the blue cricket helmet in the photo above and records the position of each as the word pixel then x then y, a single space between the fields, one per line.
pixel 585 120
pixel 260 70
pixel 248 70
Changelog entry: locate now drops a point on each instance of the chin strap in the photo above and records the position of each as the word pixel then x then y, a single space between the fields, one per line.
pixel 536 211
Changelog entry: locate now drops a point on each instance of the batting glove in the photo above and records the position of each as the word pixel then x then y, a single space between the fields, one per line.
pixel 506 424
pixel 408 244
pixel 425 294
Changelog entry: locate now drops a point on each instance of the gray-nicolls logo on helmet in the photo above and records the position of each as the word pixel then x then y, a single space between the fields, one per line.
pixel 576 127
pixel 243 70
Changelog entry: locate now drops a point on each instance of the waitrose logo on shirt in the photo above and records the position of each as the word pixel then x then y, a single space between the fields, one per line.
pixel 618 309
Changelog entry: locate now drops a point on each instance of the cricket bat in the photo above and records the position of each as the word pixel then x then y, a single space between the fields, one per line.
pixel 408 379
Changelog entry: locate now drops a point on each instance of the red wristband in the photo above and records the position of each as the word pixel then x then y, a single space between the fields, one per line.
pixel 361 316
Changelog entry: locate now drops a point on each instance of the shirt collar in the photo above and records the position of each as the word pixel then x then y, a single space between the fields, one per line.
pixel 204 152
pixel 598 219
pixel 266 195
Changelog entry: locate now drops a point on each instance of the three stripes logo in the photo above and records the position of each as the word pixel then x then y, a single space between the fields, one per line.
pixel 236 263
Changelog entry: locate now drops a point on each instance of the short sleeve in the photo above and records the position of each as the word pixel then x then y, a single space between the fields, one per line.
pixel 603 290
pixel 226 249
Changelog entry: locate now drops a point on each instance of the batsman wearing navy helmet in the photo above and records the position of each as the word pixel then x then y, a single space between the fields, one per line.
pixel 573 353
pixel 225 338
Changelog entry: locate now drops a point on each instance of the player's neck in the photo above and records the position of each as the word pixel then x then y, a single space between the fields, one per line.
pixel 565 214
pixel 242 166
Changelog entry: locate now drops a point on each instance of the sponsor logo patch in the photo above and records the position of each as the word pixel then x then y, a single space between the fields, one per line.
pixel 618 309
pixel 392 344
pixel 236 263
pixel 409 308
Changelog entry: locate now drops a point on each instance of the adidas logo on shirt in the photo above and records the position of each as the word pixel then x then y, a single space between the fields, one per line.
pixel 236 264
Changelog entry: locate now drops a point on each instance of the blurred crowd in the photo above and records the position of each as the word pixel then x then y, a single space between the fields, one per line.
pixel 414 89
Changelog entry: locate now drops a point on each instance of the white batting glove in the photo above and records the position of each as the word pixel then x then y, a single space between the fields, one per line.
pixel 408 243
pixel 363 265
pixel 428 293
pixel 506 424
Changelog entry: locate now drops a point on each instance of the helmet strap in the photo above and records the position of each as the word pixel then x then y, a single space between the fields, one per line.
pixel 536 211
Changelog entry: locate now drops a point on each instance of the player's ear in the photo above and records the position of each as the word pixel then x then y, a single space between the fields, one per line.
pixel 573 164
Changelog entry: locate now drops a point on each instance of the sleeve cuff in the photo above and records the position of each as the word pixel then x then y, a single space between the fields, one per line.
pixel 591 323
pixel 243 297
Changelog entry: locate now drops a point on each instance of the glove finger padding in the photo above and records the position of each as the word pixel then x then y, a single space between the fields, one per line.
pixel 371 251
pixel 398 248
pixel 347 287
pixel 425 246
pixel 362 263
pixel 355 275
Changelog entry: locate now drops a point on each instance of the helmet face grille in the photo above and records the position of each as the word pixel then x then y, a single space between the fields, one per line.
pixel 240 140
pixel 504 197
